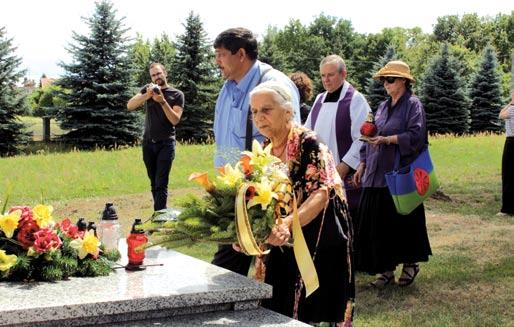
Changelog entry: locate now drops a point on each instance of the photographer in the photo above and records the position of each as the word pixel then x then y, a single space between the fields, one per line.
pixel 164 106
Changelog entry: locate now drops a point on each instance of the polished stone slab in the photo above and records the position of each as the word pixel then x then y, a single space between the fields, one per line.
pixel 182 285
pixel 259 317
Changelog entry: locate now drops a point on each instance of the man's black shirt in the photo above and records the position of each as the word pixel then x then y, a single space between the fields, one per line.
pixel 157 125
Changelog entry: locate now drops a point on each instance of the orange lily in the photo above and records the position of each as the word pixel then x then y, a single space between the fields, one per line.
pixel 203 180
pixel 245 164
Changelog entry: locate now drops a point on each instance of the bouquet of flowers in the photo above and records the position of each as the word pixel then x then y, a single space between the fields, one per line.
pixel 242 205
pixel 34 247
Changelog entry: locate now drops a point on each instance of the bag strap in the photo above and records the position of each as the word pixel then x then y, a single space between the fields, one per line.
pixel 397 146
pixel 249 123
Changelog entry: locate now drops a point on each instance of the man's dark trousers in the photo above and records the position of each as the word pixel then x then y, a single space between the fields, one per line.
pixel 158 157
pixel 226 257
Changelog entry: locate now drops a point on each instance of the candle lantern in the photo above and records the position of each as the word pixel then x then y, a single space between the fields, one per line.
pixel 82 225
pixel 136 242
pixel 368 128
pixel 109 228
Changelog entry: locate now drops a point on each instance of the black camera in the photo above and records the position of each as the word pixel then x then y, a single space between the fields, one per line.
pixel 155 88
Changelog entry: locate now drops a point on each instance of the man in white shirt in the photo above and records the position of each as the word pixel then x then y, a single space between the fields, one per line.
pixel 337 116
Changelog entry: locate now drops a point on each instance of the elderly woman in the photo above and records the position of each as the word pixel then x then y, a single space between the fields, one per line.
pixel 322 211
pixel 385 238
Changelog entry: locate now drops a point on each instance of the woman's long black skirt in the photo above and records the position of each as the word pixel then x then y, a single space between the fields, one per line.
pixel 333 262
pixel 508 176
pixel 384 238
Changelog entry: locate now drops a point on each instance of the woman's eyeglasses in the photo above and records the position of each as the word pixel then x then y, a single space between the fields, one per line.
pixel 388 79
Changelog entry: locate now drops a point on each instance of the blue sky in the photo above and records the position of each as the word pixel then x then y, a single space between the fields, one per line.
pixel 41 30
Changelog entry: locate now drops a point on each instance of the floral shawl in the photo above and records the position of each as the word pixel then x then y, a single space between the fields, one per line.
pixel 311 165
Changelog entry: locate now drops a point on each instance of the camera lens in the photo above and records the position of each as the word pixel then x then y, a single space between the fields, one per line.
pixel 156 90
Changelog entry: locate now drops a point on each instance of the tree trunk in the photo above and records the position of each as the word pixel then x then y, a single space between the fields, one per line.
pixel 46 129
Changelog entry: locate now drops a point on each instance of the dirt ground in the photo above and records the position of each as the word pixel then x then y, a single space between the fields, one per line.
pixel 128 207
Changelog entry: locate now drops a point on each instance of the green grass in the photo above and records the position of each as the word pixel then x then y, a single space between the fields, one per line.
pixel 467 167
pixel 64 176
pixel 469 170
pixel 469 280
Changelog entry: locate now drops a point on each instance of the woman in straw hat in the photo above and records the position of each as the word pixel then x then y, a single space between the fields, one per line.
pixel 385 238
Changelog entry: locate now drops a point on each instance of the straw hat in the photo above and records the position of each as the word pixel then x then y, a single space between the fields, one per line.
pixel 395 68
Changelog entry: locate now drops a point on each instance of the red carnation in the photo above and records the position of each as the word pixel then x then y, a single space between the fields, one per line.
pixel 46 240
pixel 26 213
pixel 26 233
pixel 70 229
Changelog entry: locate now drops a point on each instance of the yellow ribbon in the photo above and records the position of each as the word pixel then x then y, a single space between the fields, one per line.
pixel 250 247
pixel 302 255
pixel 243 228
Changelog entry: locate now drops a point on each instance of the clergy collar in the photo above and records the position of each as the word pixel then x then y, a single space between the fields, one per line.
pixel 336 95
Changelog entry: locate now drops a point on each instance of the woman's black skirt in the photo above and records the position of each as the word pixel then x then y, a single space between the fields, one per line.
pixel 384 238
pixel 508 176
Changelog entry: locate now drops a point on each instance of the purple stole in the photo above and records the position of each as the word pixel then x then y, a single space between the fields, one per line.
pixel 344 140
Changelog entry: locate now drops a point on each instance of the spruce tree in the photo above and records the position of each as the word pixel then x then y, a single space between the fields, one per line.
pixel 376 91
pixel 12 135
pixel 443 96
pixel 163 51
pixel 193 73
pixel 97 85
pixel 485 94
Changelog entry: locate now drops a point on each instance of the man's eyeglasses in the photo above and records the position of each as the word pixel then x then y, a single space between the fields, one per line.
pixel 388 79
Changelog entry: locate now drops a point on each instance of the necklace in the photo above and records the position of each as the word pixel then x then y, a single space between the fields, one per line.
pixel 282 145
pixel 279 155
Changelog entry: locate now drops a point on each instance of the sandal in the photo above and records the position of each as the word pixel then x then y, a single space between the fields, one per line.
pixel 409 273
pixel 383 280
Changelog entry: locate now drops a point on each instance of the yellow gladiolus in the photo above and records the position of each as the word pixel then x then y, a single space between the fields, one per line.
pixel 9 222
pixel 43 215
pixel 264 195
pixel 7 260
pixel 203 180
pixel 88 245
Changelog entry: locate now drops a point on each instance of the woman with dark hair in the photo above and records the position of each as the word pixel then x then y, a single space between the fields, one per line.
pixel 304 85
pixel 385 238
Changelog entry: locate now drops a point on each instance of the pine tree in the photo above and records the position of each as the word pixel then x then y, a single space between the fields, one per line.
pixel 485 94
pixel 376 91
pixel 443 96
pixel 163 51
pixel 97 85
pixel 193 73
pixel 12 135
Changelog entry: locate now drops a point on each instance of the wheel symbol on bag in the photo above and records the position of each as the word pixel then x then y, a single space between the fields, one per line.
pixel 422 181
